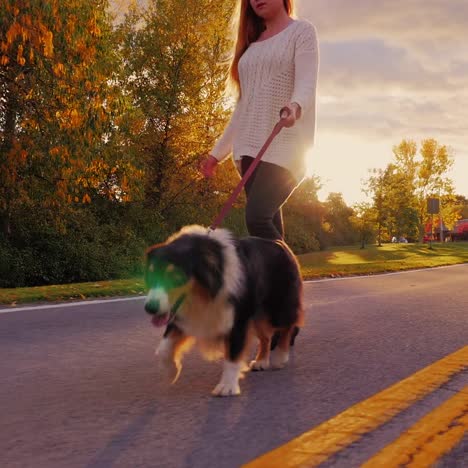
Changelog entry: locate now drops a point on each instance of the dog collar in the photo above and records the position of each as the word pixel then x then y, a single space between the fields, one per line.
pixel 176 307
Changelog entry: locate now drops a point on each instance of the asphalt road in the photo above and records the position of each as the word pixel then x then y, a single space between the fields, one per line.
pixel 79 386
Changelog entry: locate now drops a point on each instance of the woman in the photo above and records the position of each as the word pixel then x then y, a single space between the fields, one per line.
pixel 275 66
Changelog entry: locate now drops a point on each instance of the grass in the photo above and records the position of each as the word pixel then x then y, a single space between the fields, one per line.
pixel 347 261
pixel 336 262
pixel 63 292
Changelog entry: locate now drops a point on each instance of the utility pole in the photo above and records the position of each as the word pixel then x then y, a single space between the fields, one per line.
pixel 432 231
pixel 432 209
pixel 440 219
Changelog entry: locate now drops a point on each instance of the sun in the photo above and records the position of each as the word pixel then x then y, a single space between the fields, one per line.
pixel 342 161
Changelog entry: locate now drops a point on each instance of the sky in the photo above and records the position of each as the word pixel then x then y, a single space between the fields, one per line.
pixel 389 70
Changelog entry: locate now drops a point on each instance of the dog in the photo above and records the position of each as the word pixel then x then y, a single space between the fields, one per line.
pixel 215 291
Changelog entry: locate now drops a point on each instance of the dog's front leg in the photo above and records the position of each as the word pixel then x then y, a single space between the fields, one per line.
pixel 229 383
pixel 233 363
pixel 170 351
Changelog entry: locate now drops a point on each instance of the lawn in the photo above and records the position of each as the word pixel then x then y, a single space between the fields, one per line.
pixel 335 262
pixel 346 261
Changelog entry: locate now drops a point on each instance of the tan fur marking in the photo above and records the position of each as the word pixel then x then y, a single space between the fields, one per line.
pixel 264 332
pixel 175 293
pixel 204 317
pixel 177 345
pixel 285 338
pixel 182 346
pixel 178 342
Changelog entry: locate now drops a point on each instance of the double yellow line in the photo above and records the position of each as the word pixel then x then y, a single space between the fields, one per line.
pixel 425 442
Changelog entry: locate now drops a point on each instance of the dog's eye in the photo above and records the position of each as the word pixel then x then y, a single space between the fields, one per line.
pixel 176 278
pixel 165 275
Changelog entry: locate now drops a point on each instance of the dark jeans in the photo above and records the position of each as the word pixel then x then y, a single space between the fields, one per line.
pixel 267 190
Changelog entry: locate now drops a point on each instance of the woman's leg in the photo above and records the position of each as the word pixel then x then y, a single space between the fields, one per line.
pixel 267 190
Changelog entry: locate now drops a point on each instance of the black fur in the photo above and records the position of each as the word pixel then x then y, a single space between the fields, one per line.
pixel 198 256
pixel 273 280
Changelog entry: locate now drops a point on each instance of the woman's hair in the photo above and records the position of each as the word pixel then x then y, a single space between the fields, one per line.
pixel 249 28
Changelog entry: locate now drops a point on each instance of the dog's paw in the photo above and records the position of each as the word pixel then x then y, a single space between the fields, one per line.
pixel 263 364
pixel 226 389
pixel 245 368
pixel 278 358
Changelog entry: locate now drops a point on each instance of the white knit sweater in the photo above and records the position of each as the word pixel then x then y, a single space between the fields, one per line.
pixel 273 73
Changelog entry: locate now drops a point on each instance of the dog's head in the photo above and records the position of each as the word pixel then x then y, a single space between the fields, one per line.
pixel 188 263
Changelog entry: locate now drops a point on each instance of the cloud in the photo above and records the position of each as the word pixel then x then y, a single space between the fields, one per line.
pixel 421 23
pixel 372 64
pixel 393 68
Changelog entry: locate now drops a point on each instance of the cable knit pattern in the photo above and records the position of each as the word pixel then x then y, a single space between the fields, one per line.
pixel 273 73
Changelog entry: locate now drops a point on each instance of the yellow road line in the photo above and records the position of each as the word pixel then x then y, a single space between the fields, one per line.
pixel 317 445
pixel 429 439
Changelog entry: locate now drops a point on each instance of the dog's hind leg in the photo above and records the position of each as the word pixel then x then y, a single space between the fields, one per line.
pixel 264 333
pixel 171 350
pixel 293 335
pixel 280 355
pixel 275 339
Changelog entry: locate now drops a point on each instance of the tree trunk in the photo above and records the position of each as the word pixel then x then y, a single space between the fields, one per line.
pixel 9 133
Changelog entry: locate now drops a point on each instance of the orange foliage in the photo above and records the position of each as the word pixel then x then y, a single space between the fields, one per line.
pixel 57 91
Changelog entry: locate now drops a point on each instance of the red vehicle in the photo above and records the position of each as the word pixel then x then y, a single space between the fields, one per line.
pixel 458 233
pixel 433 234
pixel 460 230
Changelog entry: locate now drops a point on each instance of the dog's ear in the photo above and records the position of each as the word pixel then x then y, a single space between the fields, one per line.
pixel 208 267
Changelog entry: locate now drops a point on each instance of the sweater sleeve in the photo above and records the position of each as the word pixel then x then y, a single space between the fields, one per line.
pixel 223 147
pixel 306 68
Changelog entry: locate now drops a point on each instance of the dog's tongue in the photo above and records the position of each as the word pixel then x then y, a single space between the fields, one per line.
pixel 160 320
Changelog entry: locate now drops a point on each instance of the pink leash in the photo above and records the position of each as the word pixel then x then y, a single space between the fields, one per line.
pixel 228 205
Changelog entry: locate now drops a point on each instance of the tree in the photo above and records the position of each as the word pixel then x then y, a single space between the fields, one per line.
pixel 400 191
pixel 303 217
pixel 461 203
pixel 375 186
pixel 57 104
pixel 431 177
pixel 337 220
pixel 363 220
pixel 174 53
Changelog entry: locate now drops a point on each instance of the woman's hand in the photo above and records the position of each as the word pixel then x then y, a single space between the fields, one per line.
pixel 290 113
pixel 208 166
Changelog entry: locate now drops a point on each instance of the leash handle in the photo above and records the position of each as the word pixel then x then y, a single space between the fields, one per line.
pixel 227 206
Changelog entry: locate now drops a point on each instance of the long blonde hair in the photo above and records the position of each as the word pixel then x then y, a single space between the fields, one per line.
pixel 249 28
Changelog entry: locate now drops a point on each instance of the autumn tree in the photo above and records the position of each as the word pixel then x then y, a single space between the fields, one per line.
pixel 363 220
pixel 175 72
pixel 427 175
pixel 303 215
pixel 401 204
pixel 57 105
pixel 461 203
pixel 337 223
pixel 401 190
pixel 376 188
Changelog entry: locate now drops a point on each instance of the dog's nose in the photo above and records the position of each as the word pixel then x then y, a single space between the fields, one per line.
pixel 152 306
